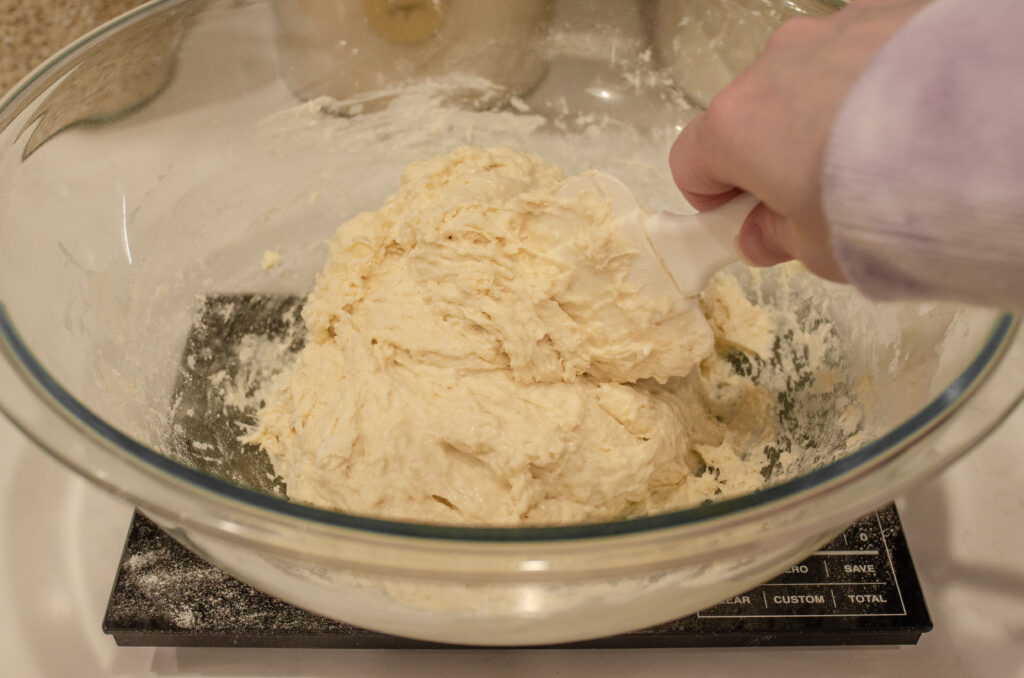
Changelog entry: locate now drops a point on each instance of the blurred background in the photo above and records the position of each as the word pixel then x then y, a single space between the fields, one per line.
pixel 32 30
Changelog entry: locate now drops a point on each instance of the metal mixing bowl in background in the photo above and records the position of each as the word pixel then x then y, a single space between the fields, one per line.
pixel 113 233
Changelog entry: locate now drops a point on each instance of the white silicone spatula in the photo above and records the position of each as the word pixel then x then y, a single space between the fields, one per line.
pixel 691 248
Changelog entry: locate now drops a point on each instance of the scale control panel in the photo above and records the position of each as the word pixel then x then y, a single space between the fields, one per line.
pixel 854 575
pixel 860 589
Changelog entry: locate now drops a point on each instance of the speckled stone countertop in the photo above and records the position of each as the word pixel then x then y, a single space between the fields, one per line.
pixel 32 30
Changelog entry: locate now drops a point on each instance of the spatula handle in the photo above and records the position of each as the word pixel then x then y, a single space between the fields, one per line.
pixel 693 247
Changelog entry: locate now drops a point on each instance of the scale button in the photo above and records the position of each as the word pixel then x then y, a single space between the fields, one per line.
pixel 864 535
pixel 868 599
pixel 811 571
pixel 799 600
pixel 750 603
pixel 869 568
pixel 859 568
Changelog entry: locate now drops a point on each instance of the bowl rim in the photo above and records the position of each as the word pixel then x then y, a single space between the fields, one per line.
pixel 852 466
pixel 847 468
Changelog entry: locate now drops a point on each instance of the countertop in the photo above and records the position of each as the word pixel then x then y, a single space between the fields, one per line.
pixel 32 30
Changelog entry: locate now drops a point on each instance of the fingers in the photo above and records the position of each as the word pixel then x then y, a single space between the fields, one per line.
pixel 696 173
pixel 766 130
pixel 768 238
pixel 760 239
pixel 696 160
pixel 692 164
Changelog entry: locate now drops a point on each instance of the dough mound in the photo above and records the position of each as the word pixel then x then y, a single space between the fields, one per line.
pixel 483 351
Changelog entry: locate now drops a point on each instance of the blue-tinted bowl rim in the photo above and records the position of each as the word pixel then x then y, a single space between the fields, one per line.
pixel 70 408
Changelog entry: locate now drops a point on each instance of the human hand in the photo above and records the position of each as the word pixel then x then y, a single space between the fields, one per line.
pixel 767 131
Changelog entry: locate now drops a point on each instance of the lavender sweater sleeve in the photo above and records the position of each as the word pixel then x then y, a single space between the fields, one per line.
pixel 923 183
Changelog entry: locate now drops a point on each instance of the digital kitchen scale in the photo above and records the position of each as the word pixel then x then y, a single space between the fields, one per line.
pixel 859 589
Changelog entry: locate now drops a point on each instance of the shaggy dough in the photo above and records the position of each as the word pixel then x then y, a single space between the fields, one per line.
pixel 487 349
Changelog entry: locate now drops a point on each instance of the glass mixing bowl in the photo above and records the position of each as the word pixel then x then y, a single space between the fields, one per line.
pixel 117 228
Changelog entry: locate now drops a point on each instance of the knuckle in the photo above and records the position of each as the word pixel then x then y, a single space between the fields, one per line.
pixel 728 118
pixel 724 112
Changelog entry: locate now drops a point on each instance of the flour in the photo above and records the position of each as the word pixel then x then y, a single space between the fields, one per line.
pixel 271 258
pixel 372 137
